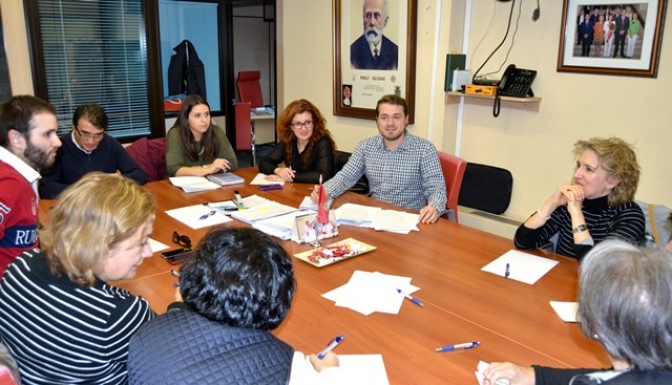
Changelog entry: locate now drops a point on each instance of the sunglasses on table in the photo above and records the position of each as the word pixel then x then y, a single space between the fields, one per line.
pixel 182 240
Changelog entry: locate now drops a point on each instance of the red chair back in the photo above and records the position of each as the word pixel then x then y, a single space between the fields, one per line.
pixel 453 172
pixel 249 88
pixel 243 127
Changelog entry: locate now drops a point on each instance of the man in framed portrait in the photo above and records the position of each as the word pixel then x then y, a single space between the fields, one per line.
pixel 373 50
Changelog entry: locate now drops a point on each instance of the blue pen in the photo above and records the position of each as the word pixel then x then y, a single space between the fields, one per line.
pixel 507 272
pixel 411 298
pixel 205 216
pixel 330 346
pixel 450 348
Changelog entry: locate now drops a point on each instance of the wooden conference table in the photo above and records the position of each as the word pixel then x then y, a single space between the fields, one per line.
pixel 512 320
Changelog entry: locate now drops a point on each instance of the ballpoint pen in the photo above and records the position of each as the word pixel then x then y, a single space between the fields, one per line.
pixel 411 298
pixel 205 216
pixel 507 271
pixel 449 348
pixel 330 346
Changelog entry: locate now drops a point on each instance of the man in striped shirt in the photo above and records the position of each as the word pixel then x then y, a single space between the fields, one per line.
pixel 402 169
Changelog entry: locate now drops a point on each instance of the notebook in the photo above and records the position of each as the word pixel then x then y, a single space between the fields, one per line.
pixel 225 179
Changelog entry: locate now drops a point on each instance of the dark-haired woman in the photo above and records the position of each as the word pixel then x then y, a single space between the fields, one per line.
pixel 236 289
pixel 195 146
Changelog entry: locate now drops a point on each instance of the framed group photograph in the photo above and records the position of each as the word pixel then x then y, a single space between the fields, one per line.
pixel 611 37
pixel 374 55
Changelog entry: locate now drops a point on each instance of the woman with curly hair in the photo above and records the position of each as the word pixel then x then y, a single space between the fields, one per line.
pixel 305 146
pixel 597 204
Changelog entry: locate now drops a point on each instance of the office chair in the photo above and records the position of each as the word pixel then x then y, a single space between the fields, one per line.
pixel 453 172
pixel 249 89
pixel 150 155
pixel 244 129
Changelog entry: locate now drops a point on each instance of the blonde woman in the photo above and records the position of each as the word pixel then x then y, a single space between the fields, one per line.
pixel 597 204
pixel 59 318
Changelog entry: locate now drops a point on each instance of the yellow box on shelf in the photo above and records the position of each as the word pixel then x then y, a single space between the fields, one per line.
pixel 480 90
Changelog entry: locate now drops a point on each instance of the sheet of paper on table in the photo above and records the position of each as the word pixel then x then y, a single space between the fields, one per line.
pixel 157 246
pixel 523 267
pixel 260 180
pixel 353 369
pixel 249 202
pixel 480 368
pixel 566 310
pixel 265 211
pixel 368 292
pixel 191 215
pixel 193 183
pixel 351 214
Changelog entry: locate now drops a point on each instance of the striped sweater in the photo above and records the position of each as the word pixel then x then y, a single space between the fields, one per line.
pixel 624 222
pixel 61 332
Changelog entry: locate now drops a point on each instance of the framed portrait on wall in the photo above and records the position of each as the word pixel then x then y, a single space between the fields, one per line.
pixel 611 37
pixel 374 54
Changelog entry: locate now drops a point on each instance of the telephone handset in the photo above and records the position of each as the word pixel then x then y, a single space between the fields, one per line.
pixel 517 82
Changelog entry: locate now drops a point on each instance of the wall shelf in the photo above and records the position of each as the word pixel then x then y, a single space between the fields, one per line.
pixel 528 104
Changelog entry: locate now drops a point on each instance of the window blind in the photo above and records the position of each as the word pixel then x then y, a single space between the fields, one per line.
pixel 95 51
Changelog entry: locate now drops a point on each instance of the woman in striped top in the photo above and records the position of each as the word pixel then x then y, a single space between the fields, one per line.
pixel 58 317
pixel 598 203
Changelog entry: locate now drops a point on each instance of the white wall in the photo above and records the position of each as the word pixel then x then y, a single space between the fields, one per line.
pixel 534 146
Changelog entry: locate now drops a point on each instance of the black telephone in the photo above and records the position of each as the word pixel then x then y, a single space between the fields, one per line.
pixel 517 82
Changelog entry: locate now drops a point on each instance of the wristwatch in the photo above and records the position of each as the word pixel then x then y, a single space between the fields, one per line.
pixel 579 228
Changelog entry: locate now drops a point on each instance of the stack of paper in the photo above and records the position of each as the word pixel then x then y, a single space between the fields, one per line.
pixel 308 204
pixel 355 215
pixel 370 292
pixel 227 207
pixel 281 226
pixel 266 180
pixel 193 183
pixel 267 210
pixel 198 216
pixel 520 266
pixel 373 217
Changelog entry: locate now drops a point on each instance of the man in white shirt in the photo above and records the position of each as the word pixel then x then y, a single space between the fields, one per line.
pixel 28 142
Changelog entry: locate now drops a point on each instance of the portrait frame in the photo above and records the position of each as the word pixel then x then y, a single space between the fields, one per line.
pixel 600 58
pixel 357 90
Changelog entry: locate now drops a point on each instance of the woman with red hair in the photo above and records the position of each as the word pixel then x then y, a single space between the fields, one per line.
pixel 305 147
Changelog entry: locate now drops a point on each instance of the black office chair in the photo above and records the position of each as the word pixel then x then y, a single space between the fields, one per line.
pixel 362 185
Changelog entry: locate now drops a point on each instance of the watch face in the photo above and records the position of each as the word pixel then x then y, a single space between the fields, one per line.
pixel 579 228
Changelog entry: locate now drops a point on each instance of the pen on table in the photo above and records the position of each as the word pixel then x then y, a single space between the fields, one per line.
pixel 411 298
pixel 450 348
pixel 205 216
pixel 507 271
pixel 330 346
